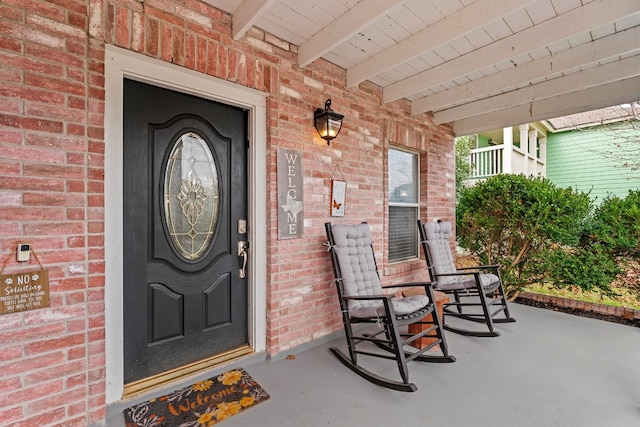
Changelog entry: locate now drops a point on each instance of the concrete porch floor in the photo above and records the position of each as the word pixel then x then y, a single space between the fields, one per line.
pixel 548 369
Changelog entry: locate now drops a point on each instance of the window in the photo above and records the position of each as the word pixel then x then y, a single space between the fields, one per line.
pixel 403 205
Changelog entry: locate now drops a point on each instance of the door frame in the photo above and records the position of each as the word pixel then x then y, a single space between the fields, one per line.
pixel 121 63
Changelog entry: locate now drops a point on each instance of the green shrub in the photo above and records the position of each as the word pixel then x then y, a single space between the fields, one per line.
pixel 586 268
pixel 509 219
pixel 463 146
pixel 615 226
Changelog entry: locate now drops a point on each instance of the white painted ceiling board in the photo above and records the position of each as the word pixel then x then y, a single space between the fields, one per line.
pixel 536 71
pixel 271 24
pixel 456 62
pixel 446 52
pixel 540 11
pixel 542 52
pixel 627 22
pixel 628 54
pixel 575 102
pixel 518 21
pixel 462 45
pixel 347 4
pixel 579 39
pixel 246 16
pixel 588 78
pixel 447 7
pixel 479 37
pixel 374 39
pixel 431 59
pixel 425 11
pixel 293 21
pixel 562 6
pixel 498 30
pixel 393 30
pixel 406 19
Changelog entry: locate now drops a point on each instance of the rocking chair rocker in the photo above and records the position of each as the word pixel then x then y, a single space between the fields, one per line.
pixel 482 285
pixel 362 301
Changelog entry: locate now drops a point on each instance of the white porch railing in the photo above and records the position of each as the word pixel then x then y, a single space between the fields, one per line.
pixel 486 162
pixel 523 155
pixel 490 161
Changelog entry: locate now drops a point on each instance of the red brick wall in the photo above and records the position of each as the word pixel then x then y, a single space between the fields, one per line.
pixel 51 179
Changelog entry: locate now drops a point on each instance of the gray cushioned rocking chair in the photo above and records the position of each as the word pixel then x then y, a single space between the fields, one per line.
pixel 362 301
pixel 482 285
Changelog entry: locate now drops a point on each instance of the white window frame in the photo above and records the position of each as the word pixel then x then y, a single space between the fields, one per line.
pixel 415 205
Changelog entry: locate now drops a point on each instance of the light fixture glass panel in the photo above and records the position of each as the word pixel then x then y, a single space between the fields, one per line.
pixel 334 127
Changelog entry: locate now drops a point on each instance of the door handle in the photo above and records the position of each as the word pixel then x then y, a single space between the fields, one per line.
pixel 242 251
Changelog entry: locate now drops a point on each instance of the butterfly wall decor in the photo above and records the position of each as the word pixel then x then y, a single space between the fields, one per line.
pixel 338 196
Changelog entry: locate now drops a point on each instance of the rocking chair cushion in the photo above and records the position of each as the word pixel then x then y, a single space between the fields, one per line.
pixel 443 263
pixel 401 307
pixel 362 301
pixel 489 282
pixel 472 287
pixel 438 241
pixel 352 244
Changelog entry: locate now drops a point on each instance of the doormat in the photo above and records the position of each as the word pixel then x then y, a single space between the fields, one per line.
pixel 204 403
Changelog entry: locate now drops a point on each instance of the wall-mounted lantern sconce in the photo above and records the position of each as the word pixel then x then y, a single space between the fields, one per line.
pixel 327 122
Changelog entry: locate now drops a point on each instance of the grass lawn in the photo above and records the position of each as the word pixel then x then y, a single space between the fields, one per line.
pixel 619 296
pixel 625 290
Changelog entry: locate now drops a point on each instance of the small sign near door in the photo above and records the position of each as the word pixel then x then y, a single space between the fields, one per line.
pixel 24 291
pixel 290 194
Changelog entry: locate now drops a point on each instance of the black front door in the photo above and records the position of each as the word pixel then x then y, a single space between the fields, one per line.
pixel 185 197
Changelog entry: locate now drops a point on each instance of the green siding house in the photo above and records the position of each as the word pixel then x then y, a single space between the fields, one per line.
pixel 593 159
pixel 597 152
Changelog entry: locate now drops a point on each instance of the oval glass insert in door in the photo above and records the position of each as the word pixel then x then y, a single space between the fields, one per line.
pixel 191 195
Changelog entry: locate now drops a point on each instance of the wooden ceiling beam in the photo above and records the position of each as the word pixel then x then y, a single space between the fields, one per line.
pixel 466 20
pixel 621 43
pixel 580 80
pixel 620 92
pixel 567 25
pixel 246 15
pixel 359 17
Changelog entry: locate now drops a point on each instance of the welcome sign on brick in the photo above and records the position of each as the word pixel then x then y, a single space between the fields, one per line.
pixel 290 187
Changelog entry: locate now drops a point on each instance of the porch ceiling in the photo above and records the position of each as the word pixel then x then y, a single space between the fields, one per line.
pixel 480 64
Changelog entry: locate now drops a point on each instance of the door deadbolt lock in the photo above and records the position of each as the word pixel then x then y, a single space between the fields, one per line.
pixel 242 226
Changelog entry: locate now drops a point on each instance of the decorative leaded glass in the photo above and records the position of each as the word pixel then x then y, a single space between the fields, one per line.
pixel 191 194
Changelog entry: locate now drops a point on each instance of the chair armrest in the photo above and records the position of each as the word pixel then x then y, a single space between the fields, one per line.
pixel 479 267
pixel 459 273
pixel 410 285
pixel 369 297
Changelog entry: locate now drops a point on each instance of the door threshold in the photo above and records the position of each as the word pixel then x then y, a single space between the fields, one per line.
pixel 147 384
